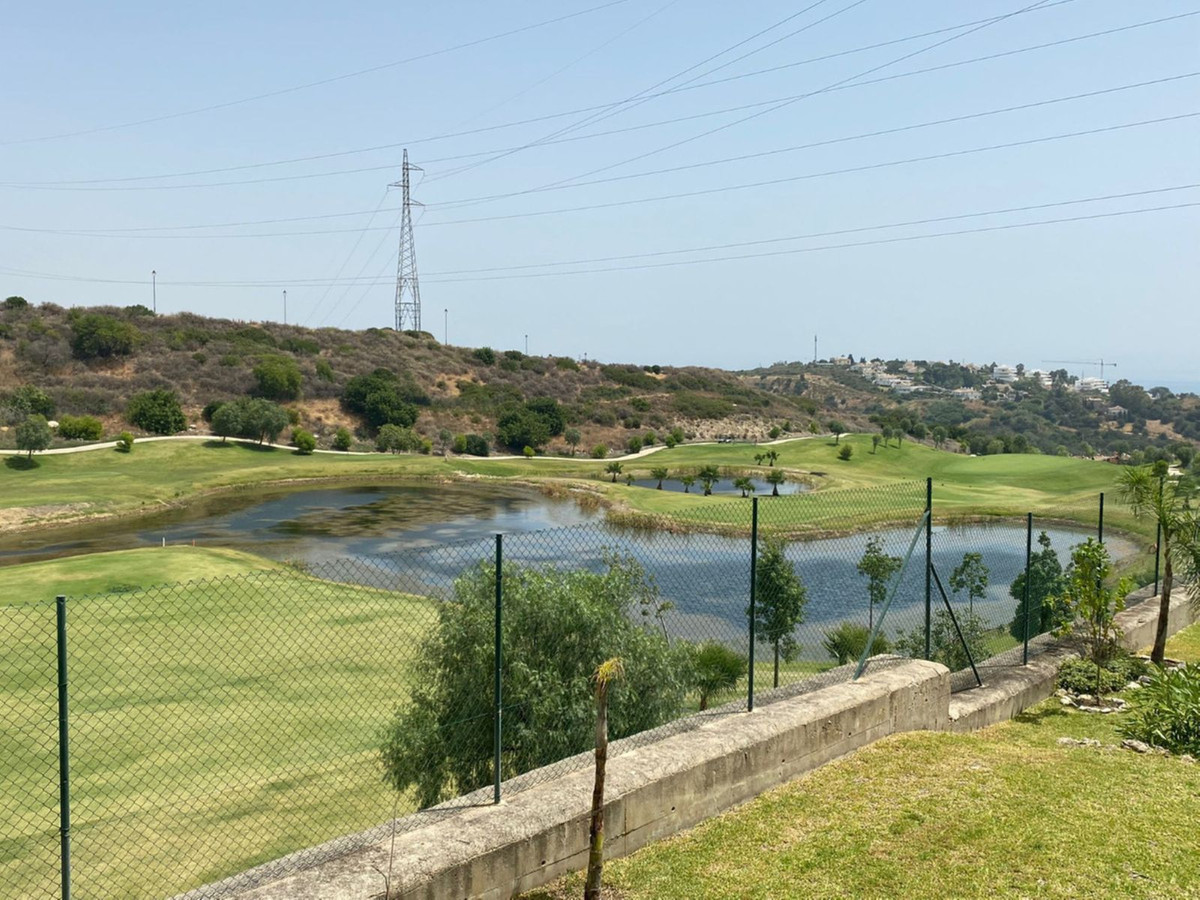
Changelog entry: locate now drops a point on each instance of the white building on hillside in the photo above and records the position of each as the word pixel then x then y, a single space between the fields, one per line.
pixel 1004 374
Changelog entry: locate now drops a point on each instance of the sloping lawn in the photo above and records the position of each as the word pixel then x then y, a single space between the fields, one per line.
pixel 1004 813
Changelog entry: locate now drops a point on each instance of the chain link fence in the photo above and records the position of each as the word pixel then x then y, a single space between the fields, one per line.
pixel 229 731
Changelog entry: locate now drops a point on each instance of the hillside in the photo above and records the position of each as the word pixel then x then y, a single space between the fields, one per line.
pixel 1127 422
pixel 93 361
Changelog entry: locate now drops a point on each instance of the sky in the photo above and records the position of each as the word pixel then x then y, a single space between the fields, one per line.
pixel 571 150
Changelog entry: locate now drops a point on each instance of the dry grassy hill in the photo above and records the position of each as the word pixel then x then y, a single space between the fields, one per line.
pixel 91 361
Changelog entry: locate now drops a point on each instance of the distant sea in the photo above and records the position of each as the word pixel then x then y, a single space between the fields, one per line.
pixel 1176 385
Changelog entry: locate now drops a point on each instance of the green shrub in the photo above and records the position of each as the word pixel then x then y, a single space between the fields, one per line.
pixel 716 668
pixel 278 378
pixel 847 642
pixel 210 410
pixel 15 303
pixel 97 336
pixel 396 439
pixel 600 451
pixel 383 398
pixel 485 355
pixel 566 364
pixel 80 428
pixel 250 334
pixel 156 411
pixel 342 439
pixel 634 444
pixel 304 441
pixel 846 452
pixel 1080 677
pixel 561 625
pixel 697 406
pixel 300 345
pixel 1166 712
pixel 28 400
pixel 324 371
pixel 459 444
pixel 477 445
pixel 125 442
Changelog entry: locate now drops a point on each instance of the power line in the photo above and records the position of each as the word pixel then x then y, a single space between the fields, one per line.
pixel 871 243
pixel 311 84
pixel 126 233
pixel 793 178
pixel 786 103
pixel 756 105
pixel 704 249
pixel 836 233
pixel 642 96
pixel 517 123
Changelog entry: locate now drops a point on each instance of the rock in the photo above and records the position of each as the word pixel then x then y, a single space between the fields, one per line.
pixel 1135 745
pixel 1187 759
pixel 1066 701
pixel 1133 686
pixel 1078 742
pixel 1061 692
pixel 1144 679
pixel 1086 698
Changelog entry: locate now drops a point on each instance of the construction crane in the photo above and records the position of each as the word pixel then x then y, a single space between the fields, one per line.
pixel 1084 362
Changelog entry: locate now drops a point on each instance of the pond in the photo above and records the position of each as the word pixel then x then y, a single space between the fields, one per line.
pixel 430 533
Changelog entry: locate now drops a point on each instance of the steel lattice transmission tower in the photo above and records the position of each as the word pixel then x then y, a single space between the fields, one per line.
pixel 408 288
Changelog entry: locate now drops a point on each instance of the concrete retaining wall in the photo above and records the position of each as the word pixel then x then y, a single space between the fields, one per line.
pixel 653 791
pixel 669 785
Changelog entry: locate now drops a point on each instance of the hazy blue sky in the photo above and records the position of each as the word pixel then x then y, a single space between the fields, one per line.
pixel 1121 287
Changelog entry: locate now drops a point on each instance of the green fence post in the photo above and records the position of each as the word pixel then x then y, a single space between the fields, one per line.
pixel 928 563
pixel 1025 588
pixel 1100 525
pixel 753 598
pixel 64 753
pixel 497 696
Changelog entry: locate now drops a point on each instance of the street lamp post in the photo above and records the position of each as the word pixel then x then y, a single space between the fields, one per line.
pixel 446 327
pixel 285 307
pixel 154 290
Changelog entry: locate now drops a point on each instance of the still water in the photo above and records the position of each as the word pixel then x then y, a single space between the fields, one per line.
pixel 430 533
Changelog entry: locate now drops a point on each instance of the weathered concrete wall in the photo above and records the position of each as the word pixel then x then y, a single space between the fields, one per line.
pixel 663 787
pixel 1007 691
pixel 653 791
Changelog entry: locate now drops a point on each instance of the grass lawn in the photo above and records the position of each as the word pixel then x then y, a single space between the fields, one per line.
pixel 1003 813
pixel 69 486
pixel 214 725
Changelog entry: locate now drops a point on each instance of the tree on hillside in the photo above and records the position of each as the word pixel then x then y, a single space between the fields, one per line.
pixel 708 475
pixel 939 434
pixel 1168 501
pixel 878 568
pixel 775 478
pixel 383 398
pixel 875 439
pixel 34 435
pixel 278 378
pixel 158 412
pixel 1045 587
pixel 771 456
pixel 717 668
pixel 687 479
pixel 886 432
pixel 560 625
pixel 779 601
pixel 659 473
pixel 572 437
pixel 99 336
pixel 394 439
pixel 614 468
pixel 971 575
pixel 837 427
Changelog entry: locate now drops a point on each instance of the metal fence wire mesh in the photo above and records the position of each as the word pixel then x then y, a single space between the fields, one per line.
pixel 228 731
pixel 29 839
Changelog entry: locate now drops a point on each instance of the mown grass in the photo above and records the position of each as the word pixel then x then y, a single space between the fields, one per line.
pixel 214 724
pixel 1004 813
pixel 67 487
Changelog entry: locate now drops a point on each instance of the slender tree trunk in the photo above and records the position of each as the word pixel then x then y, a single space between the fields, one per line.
pixel 775 490
pixel 1164 606
pixel 591 890
pixel 777 664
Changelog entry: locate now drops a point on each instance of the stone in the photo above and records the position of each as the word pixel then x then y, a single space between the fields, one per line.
pixel 1078 742
pixel 1144 679
pixel 1135 745
pixel 1133 686
pixel 1066 701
